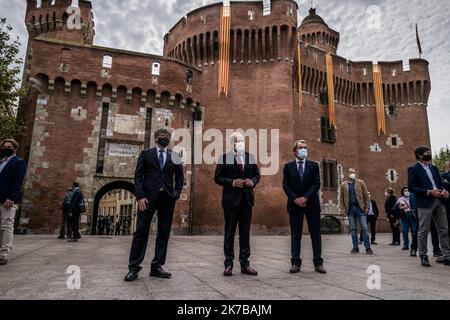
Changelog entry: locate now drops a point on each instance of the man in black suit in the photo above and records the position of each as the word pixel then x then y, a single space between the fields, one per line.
pixel 12 174
pixel 372 218
pixel 301 183
pixel 238 174
pixel 426 184
pixel 75 211
pixel 156 171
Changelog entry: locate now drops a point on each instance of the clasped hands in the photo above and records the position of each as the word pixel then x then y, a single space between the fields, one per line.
pixel 439 194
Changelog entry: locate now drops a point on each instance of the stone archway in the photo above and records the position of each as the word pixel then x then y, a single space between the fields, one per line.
pixel 119 184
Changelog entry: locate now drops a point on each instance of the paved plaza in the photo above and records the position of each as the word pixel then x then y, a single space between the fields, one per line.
pixel 38 264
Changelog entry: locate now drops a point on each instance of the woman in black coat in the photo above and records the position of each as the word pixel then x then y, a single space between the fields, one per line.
pixel 391 213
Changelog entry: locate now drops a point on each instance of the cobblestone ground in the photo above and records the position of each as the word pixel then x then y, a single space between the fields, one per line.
pixel 38 264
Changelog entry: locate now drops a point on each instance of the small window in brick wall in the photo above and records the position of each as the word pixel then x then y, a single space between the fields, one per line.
pixel 107 61
pixel 323 96
pixel 328 132
pixel 392 111
pixel 330 174
pixel 156 69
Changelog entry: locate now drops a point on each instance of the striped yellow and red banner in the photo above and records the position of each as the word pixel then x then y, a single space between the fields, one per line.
pixel 379 99
pixel 300 88
pixel 224 48
pixel 330 89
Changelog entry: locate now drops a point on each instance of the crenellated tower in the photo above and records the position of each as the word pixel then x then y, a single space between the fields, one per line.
pixel 314 31
pixel 52 19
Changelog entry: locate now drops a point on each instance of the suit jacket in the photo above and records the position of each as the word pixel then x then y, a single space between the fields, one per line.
pixel 419 184
pixel 362 195
pixel 228 171
pixel 309 187
pixel 446 184
pixel 149 178
pixel 11 180
pixel 75 201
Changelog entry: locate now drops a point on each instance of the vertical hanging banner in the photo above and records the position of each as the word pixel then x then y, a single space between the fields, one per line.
pixel 379 99
pixel 300 85
pixel 330 89
pixel 224 49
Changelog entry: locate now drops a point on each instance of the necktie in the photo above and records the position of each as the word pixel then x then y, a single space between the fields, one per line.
pixel 300 170
pixel 161 159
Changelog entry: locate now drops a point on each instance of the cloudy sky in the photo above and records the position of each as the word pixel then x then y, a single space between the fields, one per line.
pixel 140 25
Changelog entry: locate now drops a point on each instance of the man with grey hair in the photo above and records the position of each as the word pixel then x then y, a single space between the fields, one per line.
pixel 238 174
pixel 159 181
pixel 12 174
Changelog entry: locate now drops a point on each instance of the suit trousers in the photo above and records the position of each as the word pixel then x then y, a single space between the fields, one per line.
pixel 438 214
pixel 164 205
pixel 241 216
pixel 6 230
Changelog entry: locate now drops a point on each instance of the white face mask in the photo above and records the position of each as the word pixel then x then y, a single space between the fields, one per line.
pixel 240 147
pixel 352 176
pixel 407 194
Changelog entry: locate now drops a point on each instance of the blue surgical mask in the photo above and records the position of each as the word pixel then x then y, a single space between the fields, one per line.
pixel 302 153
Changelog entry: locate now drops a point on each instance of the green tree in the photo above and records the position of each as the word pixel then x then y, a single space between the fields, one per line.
pixel 441 157
pixel 10 91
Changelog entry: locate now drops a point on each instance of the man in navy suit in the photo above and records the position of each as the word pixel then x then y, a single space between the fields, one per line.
pixel 12 173
pixel 156 171
pixel 301 183
pixel 238 174
pixel 446 182
pixel 425 182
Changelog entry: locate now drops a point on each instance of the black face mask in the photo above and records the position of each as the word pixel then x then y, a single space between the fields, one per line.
pixel 6 153
pixel 427 158
pixel 163 142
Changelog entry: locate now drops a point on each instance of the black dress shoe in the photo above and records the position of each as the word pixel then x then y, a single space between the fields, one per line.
pixel 228 272
pixel 447 262
pixel 440 260
pixel 295 269
pixel 249 271
pixel 131 276
pixel 374 243
pixel 369 252
pixel 413 253
pixel 160 273
pixel 3 262
pixel 320 269
pixel 425 262
pixel 355 251
pixel 61 237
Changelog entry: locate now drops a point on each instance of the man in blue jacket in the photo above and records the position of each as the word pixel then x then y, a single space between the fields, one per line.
pixel 425 182
pixel 12 173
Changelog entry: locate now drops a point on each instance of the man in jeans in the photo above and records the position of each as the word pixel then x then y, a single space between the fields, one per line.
pixel 12 173
pixel 355 202
pixel 426 184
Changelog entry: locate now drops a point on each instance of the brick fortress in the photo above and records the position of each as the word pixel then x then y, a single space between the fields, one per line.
pixel 90 110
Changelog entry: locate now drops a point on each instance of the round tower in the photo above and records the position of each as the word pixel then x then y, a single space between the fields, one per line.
pixel 55 19
pixel 314 31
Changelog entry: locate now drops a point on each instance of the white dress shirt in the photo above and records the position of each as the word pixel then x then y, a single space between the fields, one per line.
pixel 158 149
pixel 429 174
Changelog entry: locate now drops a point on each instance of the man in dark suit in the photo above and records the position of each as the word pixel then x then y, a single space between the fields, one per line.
pixel 426 184
pixel 372 218
pixel 156 171
pixel 75 211
pixel 238 174
pixel 301 183
pixel 12 174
